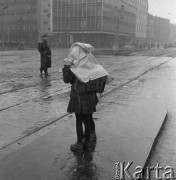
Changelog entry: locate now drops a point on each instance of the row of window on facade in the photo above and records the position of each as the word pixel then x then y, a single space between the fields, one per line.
pixel 77 24
pixel 17 1
pixel 71 2
pixel 20 16
pixel 18 6
pixel 92 25
pixel 77 11
pixel 89 12
pixel 17 27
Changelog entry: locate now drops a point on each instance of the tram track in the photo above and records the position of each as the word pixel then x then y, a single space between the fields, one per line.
pixel 135 78
pixel 110 91
pixel 37 99
pixel 55 72
pixel 29 100
pixel 31 85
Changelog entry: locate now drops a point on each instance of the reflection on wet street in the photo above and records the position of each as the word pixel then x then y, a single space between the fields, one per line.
pixel 44 87
pixel 27 104
pixel 35 100
pixel 83 166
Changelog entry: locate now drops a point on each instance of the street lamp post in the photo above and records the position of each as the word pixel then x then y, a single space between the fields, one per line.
pixel 68 29
pixel 40 16
pixel 67 34
pixel 117 19
pixel 4 8
pixel 150 30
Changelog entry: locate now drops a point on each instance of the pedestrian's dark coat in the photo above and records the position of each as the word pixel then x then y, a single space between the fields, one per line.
pixel 84 103
pixel 45 51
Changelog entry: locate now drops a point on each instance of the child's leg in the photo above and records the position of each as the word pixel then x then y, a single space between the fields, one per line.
pixel 93 136
pixel 86 120
pixel 79 127
pixel 78 146
pixel 92 123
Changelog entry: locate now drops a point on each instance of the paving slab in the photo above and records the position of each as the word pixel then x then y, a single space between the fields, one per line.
pixel 125 133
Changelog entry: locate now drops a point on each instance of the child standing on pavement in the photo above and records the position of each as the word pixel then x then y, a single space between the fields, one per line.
pixel 83 104
pixel 83 107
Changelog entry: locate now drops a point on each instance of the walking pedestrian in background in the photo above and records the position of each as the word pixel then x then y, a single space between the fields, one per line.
pixel 45 52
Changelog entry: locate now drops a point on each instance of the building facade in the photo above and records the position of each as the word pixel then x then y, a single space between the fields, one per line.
pixel 141 19
pixel 161 30
pixel 173 33
pixel 150 30
pixel 92 21
pixel 98 22
pixel 44 17
pixel 18 22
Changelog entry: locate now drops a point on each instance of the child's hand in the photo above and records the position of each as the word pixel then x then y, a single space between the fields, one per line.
pixel 68 61
pixel 109 79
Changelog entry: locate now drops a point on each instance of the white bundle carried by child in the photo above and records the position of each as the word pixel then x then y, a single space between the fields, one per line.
pixel 91 76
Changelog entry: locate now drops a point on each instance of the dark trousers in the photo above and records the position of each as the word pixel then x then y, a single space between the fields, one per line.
pixel 45 70
pixel 92 124
pixel 80 119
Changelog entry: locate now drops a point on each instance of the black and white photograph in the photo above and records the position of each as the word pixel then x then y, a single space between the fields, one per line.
pixel 87 89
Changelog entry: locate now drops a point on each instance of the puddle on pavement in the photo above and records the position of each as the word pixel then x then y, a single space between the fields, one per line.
pixel 83 167
pixel 47 99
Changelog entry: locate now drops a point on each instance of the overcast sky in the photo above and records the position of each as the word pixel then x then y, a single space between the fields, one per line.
pixel 163 8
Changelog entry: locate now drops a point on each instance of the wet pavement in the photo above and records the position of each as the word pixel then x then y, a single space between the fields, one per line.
pixel 33 100
pixel 164 151
pixel 46 99
pixel 122 133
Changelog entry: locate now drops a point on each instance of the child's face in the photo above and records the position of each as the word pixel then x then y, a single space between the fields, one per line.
pixel 45 38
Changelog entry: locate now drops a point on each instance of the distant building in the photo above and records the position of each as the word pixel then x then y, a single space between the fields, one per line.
pixel 141 19
pixel 161 30
pixel 150 31
pixel 24 20
pixel 44 17
pixel 173 33
pixel 93 21
pixel 18 20
pixel 98 22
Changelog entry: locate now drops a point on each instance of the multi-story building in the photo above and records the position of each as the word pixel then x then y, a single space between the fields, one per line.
pixel 44 17
pixel 150 30
pixel 141 19
pixel 161 30
pixel 97 22
pixel 18 20
pixel 173 33
pixel 23 21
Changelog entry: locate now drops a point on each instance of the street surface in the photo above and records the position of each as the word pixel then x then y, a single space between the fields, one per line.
pixel 164 151
pixel 29 102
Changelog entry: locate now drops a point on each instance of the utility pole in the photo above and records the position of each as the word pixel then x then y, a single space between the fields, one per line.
pixel 4 8
pixel 68 28
pixel 150 28
pixel 117 22
pixel 41 19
